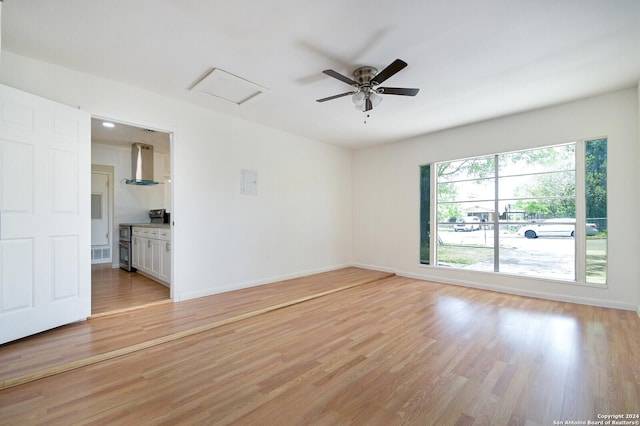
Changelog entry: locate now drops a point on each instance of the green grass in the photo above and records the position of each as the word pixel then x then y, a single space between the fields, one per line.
pixel 467 255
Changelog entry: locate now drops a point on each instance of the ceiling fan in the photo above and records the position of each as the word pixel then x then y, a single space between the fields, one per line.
pixel 366 91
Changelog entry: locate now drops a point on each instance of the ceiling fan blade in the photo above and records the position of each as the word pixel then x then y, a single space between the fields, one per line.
pixel 340 77
pixel 368 105
pixel 397 91
pixel 395 66
pixel 335 96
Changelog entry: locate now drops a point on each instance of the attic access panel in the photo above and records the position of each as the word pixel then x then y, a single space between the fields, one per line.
pixel 227 86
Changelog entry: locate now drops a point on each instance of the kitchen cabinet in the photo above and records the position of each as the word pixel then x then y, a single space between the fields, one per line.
pixel 152 252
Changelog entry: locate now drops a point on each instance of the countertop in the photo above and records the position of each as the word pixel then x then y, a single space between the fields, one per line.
pixel 149 225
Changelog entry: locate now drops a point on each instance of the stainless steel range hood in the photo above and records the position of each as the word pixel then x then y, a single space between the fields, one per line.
pixel 141 165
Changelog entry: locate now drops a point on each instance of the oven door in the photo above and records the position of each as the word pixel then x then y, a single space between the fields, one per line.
pixel 125 233
pixel 125 256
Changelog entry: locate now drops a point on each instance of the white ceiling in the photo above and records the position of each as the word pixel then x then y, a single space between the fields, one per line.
pixel 472 60
pixel 125 135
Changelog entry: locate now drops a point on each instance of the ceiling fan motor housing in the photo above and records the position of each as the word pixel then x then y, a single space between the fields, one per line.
pixel 364 75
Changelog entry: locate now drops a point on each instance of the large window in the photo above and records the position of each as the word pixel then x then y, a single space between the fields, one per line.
pixel 541 212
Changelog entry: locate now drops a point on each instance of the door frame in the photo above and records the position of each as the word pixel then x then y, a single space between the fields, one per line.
pixel 173 288
pixel 110 172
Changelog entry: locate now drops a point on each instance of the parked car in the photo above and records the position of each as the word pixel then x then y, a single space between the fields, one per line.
pixel 564 227
pixel 469 223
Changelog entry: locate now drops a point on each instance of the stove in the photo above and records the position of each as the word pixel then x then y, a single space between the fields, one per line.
pixel 125 247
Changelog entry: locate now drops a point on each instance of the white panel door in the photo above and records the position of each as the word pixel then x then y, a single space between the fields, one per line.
pixel 45 226
pixel 99 209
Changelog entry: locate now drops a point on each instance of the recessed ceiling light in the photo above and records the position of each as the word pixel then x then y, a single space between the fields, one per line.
pixel 107 124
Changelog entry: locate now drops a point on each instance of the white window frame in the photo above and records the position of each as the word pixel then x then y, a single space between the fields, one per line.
pixel 580 252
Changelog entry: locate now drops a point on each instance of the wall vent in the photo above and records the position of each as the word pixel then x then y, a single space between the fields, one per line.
pixel 101 255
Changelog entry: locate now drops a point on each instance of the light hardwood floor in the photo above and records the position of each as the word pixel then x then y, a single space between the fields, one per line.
pixel 391 351
pixel 105 337
pixel 114 289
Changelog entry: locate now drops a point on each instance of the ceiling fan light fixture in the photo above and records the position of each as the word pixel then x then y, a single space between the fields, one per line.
pixel 358 99
pixel 375 99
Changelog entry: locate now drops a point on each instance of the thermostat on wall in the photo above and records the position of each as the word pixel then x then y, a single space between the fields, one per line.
pixel 249 182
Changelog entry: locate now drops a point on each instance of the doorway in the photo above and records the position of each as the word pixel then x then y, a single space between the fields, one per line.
pixel 115 289
pixel 101 214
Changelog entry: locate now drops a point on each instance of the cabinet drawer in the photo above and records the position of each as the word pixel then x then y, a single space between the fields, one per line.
pixel 152 233
pixel 138 232
pixel 165 234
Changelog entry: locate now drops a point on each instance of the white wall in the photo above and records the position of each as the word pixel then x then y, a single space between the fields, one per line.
pixel 298 224
pixel 386 194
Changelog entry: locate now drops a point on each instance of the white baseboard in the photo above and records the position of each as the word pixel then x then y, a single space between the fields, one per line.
pixel 372 267
pixel 253 283
pixel 463 283
pixel 528 293
pixel 508 290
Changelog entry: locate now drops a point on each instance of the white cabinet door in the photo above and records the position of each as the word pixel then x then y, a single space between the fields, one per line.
pixel 147 259
pixel 165 261
pixel 154 256
pixel 137 253
pixel 145 254
pixel 45 225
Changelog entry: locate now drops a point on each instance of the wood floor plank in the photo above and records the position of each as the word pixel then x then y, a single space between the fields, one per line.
pixel 116 290
pixel 370 354
pixel 107 337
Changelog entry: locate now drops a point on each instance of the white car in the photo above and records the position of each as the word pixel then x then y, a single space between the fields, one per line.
pixel 469 223
pixel 564 227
